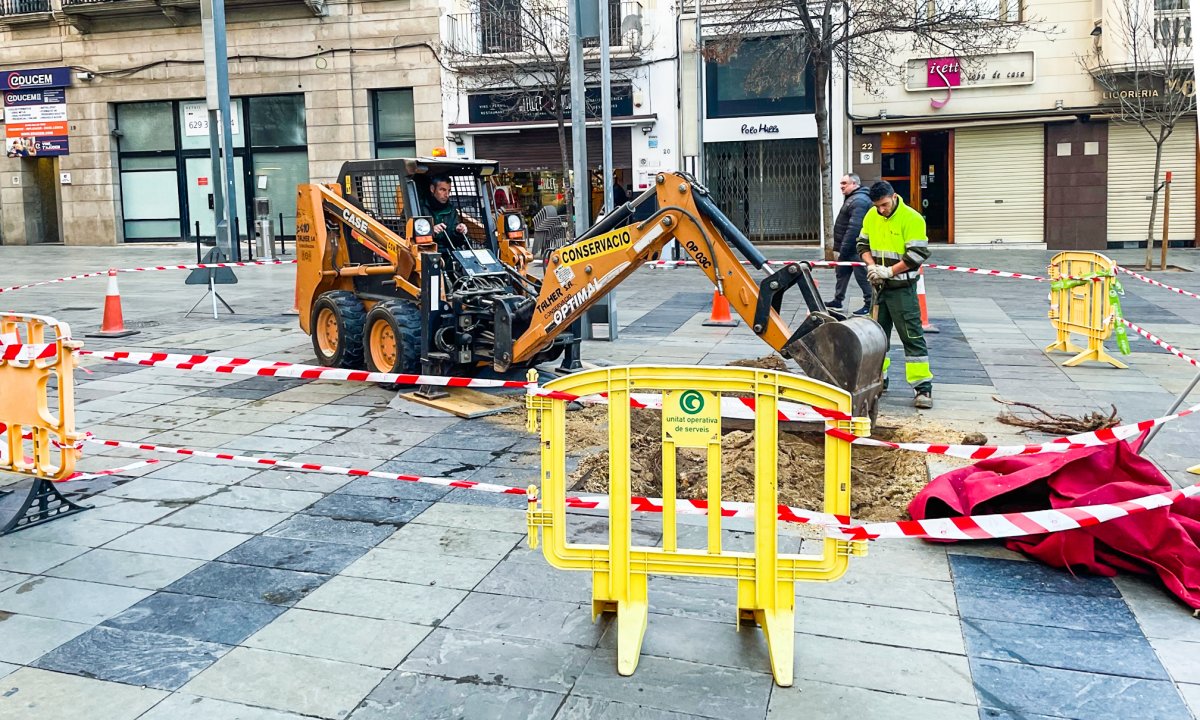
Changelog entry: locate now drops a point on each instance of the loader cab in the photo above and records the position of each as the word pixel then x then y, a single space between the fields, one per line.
pixel 393 190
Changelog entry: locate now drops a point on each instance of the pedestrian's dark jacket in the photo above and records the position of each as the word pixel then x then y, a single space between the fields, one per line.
pixel 850 218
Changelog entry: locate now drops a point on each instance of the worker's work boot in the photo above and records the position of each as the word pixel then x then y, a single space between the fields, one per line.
pixel 924 399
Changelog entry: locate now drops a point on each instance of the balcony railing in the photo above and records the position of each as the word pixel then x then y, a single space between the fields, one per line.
pixel 530 30
pixel 9 8
pixel 1173 28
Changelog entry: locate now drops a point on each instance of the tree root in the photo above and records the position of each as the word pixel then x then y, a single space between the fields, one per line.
pixel 1056 424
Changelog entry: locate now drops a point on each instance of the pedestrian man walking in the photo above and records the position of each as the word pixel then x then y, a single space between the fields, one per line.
pixel 846 230
pixel 893 244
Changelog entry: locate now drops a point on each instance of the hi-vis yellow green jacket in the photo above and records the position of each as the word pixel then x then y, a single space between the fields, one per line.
pixel 892 239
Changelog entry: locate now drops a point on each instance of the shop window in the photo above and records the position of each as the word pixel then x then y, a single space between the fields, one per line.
pixel 278 121
pixel 732 92
pixel 395 124
pixel 145 127
pixel 193 124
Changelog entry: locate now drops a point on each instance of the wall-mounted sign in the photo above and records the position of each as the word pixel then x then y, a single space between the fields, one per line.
pixel 39 79
pixel 36 123
pixel 525 107
pixel 946 74
pixel 761 128
pixel 195 119
pixel 1145 89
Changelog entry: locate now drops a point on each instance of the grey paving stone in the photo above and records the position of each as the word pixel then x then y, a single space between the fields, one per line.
pixel 288 554
pixel 28 556
pixel 527 618
pixel 454 542
pixel 379 487
pixel 585 708
pixel 1180 658
pixel 899 591
pixel 226 474
pixel 70 600
pixel 459 456
pixel 7 669
pixel 700 641
pixel 526 579
pixel 1191 694
pixel 181 706
pixel 384 600
pixel 199 618
pixel 368 509
pixel 303 685
pixel 248 583
pixel 1067 693
pixel 219 517
pixel 1028 576
pixel 921 673
pixel 687 597
pixel 8 579
pixel 1158 613
pixel 270 445
pixel 281 479
pixel 25 638
pixel 808 699
pixel 464 496
pixel 918 629
pixel 263 499
pixel 420 568
pixel 475 518
pixel 165 662
pixel 178 542
pixel 79 529
pixel 114 567
pixel 131 511
pixel 1068 649
pixel 359 640
pixel 434 698
pixel 33 694
pixel 329 530
pixel 678 686
pixel 516 662
pixel 1080 612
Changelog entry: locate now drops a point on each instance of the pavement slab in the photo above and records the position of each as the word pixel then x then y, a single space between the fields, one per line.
pixel 384 600
pixel 329 530
pixel 70 600
pixel 417 695
pixel 128 569
pixel 248 583
pixel 182 706
pixel 178 542
pixel 360 640
pixel 33 694
pixel 137 658
pixel 25 638
pixel 206 619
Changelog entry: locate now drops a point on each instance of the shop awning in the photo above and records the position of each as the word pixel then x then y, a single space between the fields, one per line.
pixel 499 128
pixel 914 124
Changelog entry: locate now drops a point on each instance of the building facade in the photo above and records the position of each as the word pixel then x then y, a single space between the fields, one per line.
pixel 313 84
pixel 508 62
pixel 1024 145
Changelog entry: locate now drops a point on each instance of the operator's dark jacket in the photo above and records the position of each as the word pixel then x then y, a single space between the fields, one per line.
pixel 849 222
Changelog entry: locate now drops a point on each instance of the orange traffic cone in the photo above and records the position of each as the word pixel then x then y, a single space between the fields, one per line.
pixel 113 324
pixel 720 317
pixel 925 324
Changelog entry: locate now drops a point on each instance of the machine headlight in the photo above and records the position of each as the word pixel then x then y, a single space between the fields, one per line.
pixel 422 226
pixel 512 222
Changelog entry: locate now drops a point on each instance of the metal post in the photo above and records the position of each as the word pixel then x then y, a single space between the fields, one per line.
pixel 220 131
pixel 699 99
pixel 606 105
pixel 1171 411
pixel 1166 219
pixel 581 185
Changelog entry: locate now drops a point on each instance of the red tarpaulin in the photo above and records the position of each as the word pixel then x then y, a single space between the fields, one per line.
pixel 1165 541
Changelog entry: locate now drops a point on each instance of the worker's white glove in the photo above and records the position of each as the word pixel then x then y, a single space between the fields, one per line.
pixel 877 274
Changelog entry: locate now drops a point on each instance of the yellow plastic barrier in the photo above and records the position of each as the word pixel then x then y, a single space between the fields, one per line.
pixel 1082 306
pixel 691 418
pixel 37 411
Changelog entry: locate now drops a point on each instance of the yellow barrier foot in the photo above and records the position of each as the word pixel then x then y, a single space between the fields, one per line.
pixel 631 629
pixel 779 628
pixel 1195 469
pixel 1064 346
pixel 1096 354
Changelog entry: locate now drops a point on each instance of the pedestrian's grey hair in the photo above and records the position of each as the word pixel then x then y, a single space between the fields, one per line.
pixel 854 178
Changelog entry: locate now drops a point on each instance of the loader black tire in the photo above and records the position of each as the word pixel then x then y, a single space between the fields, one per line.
pixel 392 337
pixel 337 330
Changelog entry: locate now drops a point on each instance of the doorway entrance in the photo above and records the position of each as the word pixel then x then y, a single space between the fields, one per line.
pixel 42 207
pixel 918 167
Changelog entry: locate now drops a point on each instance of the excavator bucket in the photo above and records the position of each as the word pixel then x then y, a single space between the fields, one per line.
pixel 846 352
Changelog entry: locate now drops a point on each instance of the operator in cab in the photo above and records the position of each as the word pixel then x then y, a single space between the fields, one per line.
pixel 893 244
pixel 445 215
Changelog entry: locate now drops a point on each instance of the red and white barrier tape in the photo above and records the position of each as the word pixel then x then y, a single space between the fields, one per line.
pixel 1160 342
pixel 836 526
pixel 193 266
pixel 113 471
pixel 1152 281
pixel 16 352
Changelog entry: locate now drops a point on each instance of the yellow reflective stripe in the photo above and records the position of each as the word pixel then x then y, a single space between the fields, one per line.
pixel 917 372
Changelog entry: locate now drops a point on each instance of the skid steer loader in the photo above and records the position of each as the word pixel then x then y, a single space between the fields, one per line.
pixel 376 286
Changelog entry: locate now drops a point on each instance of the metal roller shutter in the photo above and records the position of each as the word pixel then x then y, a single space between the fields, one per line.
pixel 535 150
pixel 1131 181
pixel 999 184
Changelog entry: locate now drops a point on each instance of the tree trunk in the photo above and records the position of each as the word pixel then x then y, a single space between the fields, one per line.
pixel 824 151
pixel 1158 146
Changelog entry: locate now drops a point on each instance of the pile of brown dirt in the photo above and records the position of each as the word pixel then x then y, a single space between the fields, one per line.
pixel 882 481
pixel 766 362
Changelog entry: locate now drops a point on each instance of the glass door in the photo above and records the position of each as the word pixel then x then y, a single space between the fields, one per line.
pixel 199 190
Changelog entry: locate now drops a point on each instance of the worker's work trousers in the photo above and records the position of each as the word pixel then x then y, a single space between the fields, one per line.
pixel 899 307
